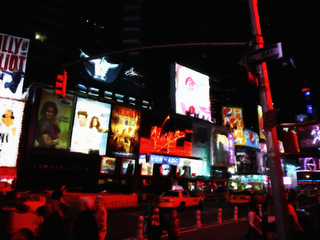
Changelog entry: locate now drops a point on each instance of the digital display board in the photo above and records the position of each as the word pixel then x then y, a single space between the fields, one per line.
pixel 191 91
pixel 146 169
pixel 185 167
pixel 90 127
pixel 108 165
pixel 224 149
pixel 54 121
pixel 124 132
pixel 128 166
pixel 309 136
pixel 10 130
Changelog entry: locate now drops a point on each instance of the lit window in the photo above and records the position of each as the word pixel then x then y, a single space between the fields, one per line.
pixel 309 108
pixel 39 36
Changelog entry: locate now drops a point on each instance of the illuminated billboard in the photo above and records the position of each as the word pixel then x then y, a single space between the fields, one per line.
pixel 128 166
pixel 13 61
pixel 10 131
pixel 309 137
pixel 170 137
pixel 146 169
pixel 309 164
pixel 90 127
pixel 224 149
pixel 233 117
pixel 100 69
pixel 124 132
pixel 260 118
pixel 108 165
pixel 186 167
pixel 252 139
pixel 191 91
pixel 54 121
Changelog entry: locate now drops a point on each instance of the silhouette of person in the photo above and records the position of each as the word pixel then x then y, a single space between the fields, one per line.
pixel 16 76
pixel 130 168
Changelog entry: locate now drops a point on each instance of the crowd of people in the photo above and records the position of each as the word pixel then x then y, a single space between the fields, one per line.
pixel 257 228
pixel 49 222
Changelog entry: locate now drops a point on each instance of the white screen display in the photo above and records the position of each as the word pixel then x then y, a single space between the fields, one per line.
pixel 192 93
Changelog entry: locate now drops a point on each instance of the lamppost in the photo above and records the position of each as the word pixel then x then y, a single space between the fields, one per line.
pixel 276 173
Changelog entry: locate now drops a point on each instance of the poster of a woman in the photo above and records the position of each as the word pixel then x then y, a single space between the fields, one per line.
pixel 53 125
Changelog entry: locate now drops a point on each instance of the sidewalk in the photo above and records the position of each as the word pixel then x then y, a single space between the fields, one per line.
pixel 227 230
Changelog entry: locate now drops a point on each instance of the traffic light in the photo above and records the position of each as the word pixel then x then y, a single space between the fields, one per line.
pixel 61 84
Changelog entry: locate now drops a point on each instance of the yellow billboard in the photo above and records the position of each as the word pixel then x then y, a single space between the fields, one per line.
pixel 233 117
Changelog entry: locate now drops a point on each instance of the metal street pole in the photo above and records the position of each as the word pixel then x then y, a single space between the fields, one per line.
pixel 276 173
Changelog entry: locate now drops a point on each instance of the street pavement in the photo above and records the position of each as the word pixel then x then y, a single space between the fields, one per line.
pixel 226 230
pixel 236 230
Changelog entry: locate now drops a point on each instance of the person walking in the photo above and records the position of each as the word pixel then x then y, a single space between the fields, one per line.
pixel 173 225
pixel 85 227
pixel 254 222
pixel 155 221
pixel 100 215
pixel 53 226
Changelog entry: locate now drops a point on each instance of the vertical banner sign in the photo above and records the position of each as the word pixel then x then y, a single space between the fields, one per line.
pixel 233 117
pixel 10 130
pixel 13 61
pixel 54 120
pixel 260 117
pixel 124 134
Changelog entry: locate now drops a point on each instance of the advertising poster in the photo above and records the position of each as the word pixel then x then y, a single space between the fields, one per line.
pixel 146 169
pixel 252 139
pixel 54 118
pixel 233 117
pixel 201 145
pixel 13 61
pixel 10 131
pixel 224 149
pixel 309 136
pixel 128 166
pixel 192 92
pixel 246 161
pixel 90 127
pixel 260 117
pixel 124 135
pixel 108 165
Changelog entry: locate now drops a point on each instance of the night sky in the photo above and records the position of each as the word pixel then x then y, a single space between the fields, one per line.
pixel 293 23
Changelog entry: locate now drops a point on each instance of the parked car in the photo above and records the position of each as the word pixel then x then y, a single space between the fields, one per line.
pixel 240 197
pixel 312 193
pixel 245 195
pixel 179 199
pixel 261 197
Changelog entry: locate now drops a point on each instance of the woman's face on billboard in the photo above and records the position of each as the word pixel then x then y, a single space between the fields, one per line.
pixel 50 112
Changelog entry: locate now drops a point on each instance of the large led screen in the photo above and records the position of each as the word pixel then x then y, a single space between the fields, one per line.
pixel 90 127
pixel 186 167
pixel 124 132
pixel 13 61
pixel 128 166
pixel 146 169
pixel 192 93
pixel 54 120
pixel 108 165
pixel 224 149
pixel 309 136
pixel 309 164
pixel 10 131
